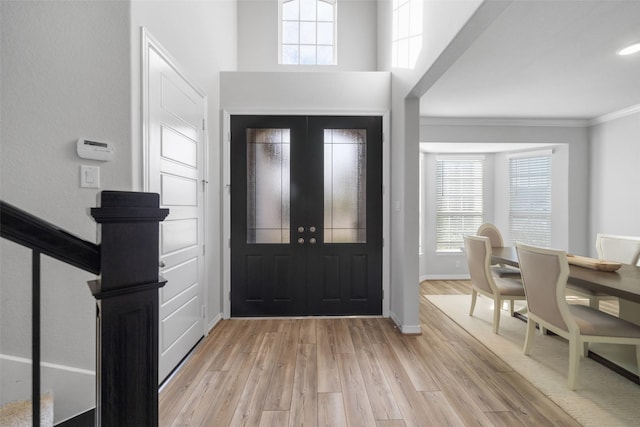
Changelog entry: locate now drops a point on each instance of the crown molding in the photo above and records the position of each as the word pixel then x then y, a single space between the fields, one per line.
pixel 491 121
pixel 615 115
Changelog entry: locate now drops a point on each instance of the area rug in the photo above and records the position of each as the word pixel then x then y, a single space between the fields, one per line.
pixel 603 398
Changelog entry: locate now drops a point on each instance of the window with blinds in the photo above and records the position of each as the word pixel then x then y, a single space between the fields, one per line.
pixel 458 201
pixel 530 200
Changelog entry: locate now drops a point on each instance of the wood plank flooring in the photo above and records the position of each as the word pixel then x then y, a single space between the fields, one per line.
pixel 351 372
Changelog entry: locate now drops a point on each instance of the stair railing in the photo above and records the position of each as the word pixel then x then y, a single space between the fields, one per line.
pixel 126 293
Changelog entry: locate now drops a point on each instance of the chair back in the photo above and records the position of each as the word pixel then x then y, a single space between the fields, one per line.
pixel 478 250
pixel 492 232
pixel 544 276
pixel 625 249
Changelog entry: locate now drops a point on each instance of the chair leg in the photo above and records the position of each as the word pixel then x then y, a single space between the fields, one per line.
pixel 574 361
pixel 594 303
pixel 474 296
pixel 496 315
pixel 585 349
pixel 528 340
pixel 511 304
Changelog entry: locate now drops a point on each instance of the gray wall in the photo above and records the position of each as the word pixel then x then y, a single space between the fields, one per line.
pixel 615 176
pixel 71 69
pixel 66 70
pixel 571 184
pixel 365 44
pixel 258 37
pixel 357 93
pixel 200 36
pixel 442 20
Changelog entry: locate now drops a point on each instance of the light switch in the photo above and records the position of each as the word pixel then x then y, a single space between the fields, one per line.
pixel 89 176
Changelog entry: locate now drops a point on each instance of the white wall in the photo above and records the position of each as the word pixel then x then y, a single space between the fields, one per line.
pixel 70 70
pixel 570 178
pixel 442 21
pixel 615 174
pixel 258 37
pixel 312 93
pixel 305 92
pixel 65 74
pixel 200 36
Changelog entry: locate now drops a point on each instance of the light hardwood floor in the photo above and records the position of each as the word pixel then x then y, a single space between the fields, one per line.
pixel 351 372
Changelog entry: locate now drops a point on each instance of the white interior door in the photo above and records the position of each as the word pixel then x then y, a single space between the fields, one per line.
pixel 175 165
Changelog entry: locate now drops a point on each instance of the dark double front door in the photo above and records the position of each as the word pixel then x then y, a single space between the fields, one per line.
pixel 306 215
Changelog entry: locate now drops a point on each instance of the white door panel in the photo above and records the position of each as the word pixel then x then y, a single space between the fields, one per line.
pixel 173 168
pixel 177 303
pixel 176 111
pixel 178 190
pixel 179 278
pixel 180 321
pixel 179 147
pixel 178 100
pixel 178 234
pixel 182 326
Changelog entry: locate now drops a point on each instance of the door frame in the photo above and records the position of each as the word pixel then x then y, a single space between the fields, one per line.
pixel 225 167
pixel 149 42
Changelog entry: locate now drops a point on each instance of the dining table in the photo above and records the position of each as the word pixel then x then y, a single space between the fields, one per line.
pixel 623 283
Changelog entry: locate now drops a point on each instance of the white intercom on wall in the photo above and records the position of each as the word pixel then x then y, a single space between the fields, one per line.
pixel 95 150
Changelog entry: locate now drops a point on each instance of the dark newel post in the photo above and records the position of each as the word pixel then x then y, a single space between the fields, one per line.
pixel 127 297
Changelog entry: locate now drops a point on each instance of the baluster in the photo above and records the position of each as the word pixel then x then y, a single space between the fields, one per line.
pixel 35 338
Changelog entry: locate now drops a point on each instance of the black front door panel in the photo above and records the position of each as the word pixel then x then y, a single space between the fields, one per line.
pixel 306 215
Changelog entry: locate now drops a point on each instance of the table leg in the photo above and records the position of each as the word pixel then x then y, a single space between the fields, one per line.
pixel 629 311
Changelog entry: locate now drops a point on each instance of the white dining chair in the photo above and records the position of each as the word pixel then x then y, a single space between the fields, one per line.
pixel 625 249
pixel 483 282
pixel 610 247
pixel 544 275
pixel 495 237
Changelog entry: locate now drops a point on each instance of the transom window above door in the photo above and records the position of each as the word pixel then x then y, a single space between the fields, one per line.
pixel 307 32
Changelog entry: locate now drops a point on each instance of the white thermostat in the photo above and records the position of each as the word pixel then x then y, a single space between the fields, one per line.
pixel 94 150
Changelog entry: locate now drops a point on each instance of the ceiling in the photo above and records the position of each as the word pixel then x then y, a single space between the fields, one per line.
pixel 545 60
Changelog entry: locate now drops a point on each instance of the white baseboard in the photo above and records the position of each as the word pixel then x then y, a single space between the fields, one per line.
pixel 405 329
pixel 411 329
pixel 73 388
pixel 214 322
pixel 445 277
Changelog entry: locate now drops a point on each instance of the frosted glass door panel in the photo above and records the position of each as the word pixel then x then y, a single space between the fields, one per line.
pixel 268 194
pixel 345 173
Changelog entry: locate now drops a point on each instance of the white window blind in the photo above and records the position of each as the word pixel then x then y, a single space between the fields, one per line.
pixel 530 200
pixel 458 201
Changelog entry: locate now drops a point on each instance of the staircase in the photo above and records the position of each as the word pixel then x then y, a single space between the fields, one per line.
pixel 126 294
